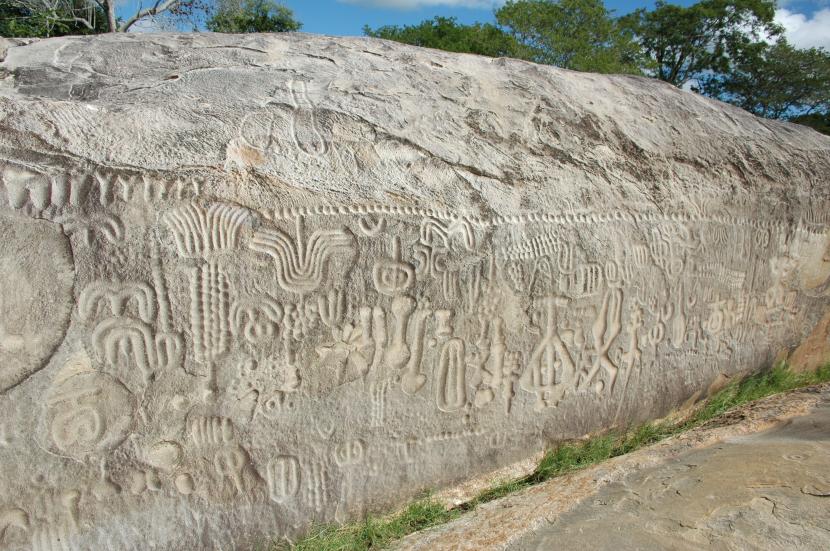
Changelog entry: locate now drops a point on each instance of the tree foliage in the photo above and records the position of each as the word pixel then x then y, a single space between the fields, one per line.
pixel 50 18
pixel 775 81
pixel 45 18
pixel 817 121
pixel 252 16
pixel 574 34
pixel 445 33
pixel 681 42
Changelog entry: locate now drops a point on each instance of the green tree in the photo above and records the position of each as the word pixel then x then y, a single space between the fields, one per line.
pixel 44 19
pixel 775 81
pixel 445 33
pixel 682 42
pixel 817 121
pixel 574 34
pixel 252 16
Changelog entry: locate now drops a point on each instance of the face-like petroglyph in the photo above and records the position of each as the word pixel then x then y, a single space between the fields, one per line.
pixel 35 295
pixel 230 313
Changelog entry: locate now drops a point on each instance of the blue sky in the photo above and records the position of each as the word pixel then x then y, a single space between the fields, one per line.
pixel 347 17
pixel 807 21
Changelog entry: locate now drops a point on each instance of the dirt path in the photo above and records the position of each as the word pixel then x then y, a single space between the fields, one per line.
pixel 760 479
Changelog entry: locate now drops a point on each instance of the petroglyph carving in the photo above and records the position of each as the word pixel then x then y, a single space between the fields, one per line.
pixel 379 335
pixel 235 470
pixel 301 266
pixel 163 297
pixel 451 390
pixel 87 411
pixel 28 187
pixel 566 258
pixel 541 275
pixel 398 352
pixel 633 355
pixel 257 320
pixel 357 350
pixel 511 370
pixel 550 370
pixel 267 380
pixel 211 431
pixel 498 375
pixel 106 225
pixel 24 185
pixel 436 232
pixel 113 186
pixel 115 339
pixel 305 127
pixel 317 485
pixel 605 330
pixel 372 226
pixel 283 475
pixel 380 395
pixel 480 287
pixel 126 332
pixel 680 321
pixel 117 299
pixel 413 380
pixel 332 308
pixel 392 277
pixel 199 231
pixel 515 274
pixel 586 280
pixel 209 322
pixel 478 355
pixel 432 260
pixel 614 276
pixel 350 452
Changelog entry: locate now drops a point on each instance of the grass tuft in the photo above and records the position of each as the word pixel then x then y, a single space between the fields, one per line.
pixel 375 533
pixel 378 533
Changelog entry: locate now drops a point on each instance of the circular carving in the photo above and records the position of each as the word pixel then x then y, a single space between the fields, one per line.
pixel 36 278
pixel 88 411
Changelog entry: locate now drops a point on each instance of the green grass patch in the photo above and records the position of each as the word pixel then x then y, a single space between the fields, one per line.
pixel 766 383
pixel 378 533
pixel 375 533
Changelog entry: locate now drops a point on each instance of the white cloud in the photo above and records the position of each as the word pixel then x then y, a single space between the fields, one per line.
pixel 414 4
pixel 803 31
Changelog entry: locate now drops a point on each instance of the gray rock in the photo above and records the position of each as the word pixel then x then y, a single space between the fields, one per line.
pixel 755 479
pixel 255 282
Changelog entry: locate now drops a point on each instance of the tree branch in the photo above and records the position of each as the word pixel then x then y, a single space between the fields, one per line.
pixel 159 7
pixel 80 20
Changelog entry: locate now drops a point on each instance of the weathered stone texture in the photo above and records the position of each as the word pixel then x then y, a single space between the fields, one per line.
pixel 251 282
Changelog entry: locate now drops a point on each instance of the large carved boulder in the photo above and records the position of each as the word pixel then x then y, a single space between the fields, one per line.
pixel 251 283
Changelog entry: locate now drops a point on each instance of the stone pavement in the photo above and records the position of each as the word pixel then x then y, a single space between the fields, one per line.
pixel 725 487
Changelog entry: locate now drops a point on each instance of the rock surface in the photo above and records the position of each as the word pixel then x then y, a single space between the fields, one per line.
pixel 757 481
pixel 254 282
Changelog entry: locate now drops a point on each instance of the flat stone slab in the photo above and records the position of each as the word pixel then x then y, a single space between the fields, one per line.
pixel 757 480
pixel 765 491
pixel 252 283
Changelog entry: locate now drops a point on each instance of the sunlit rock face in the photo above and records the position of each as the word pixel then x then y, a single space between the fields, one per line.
pixel 251 283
